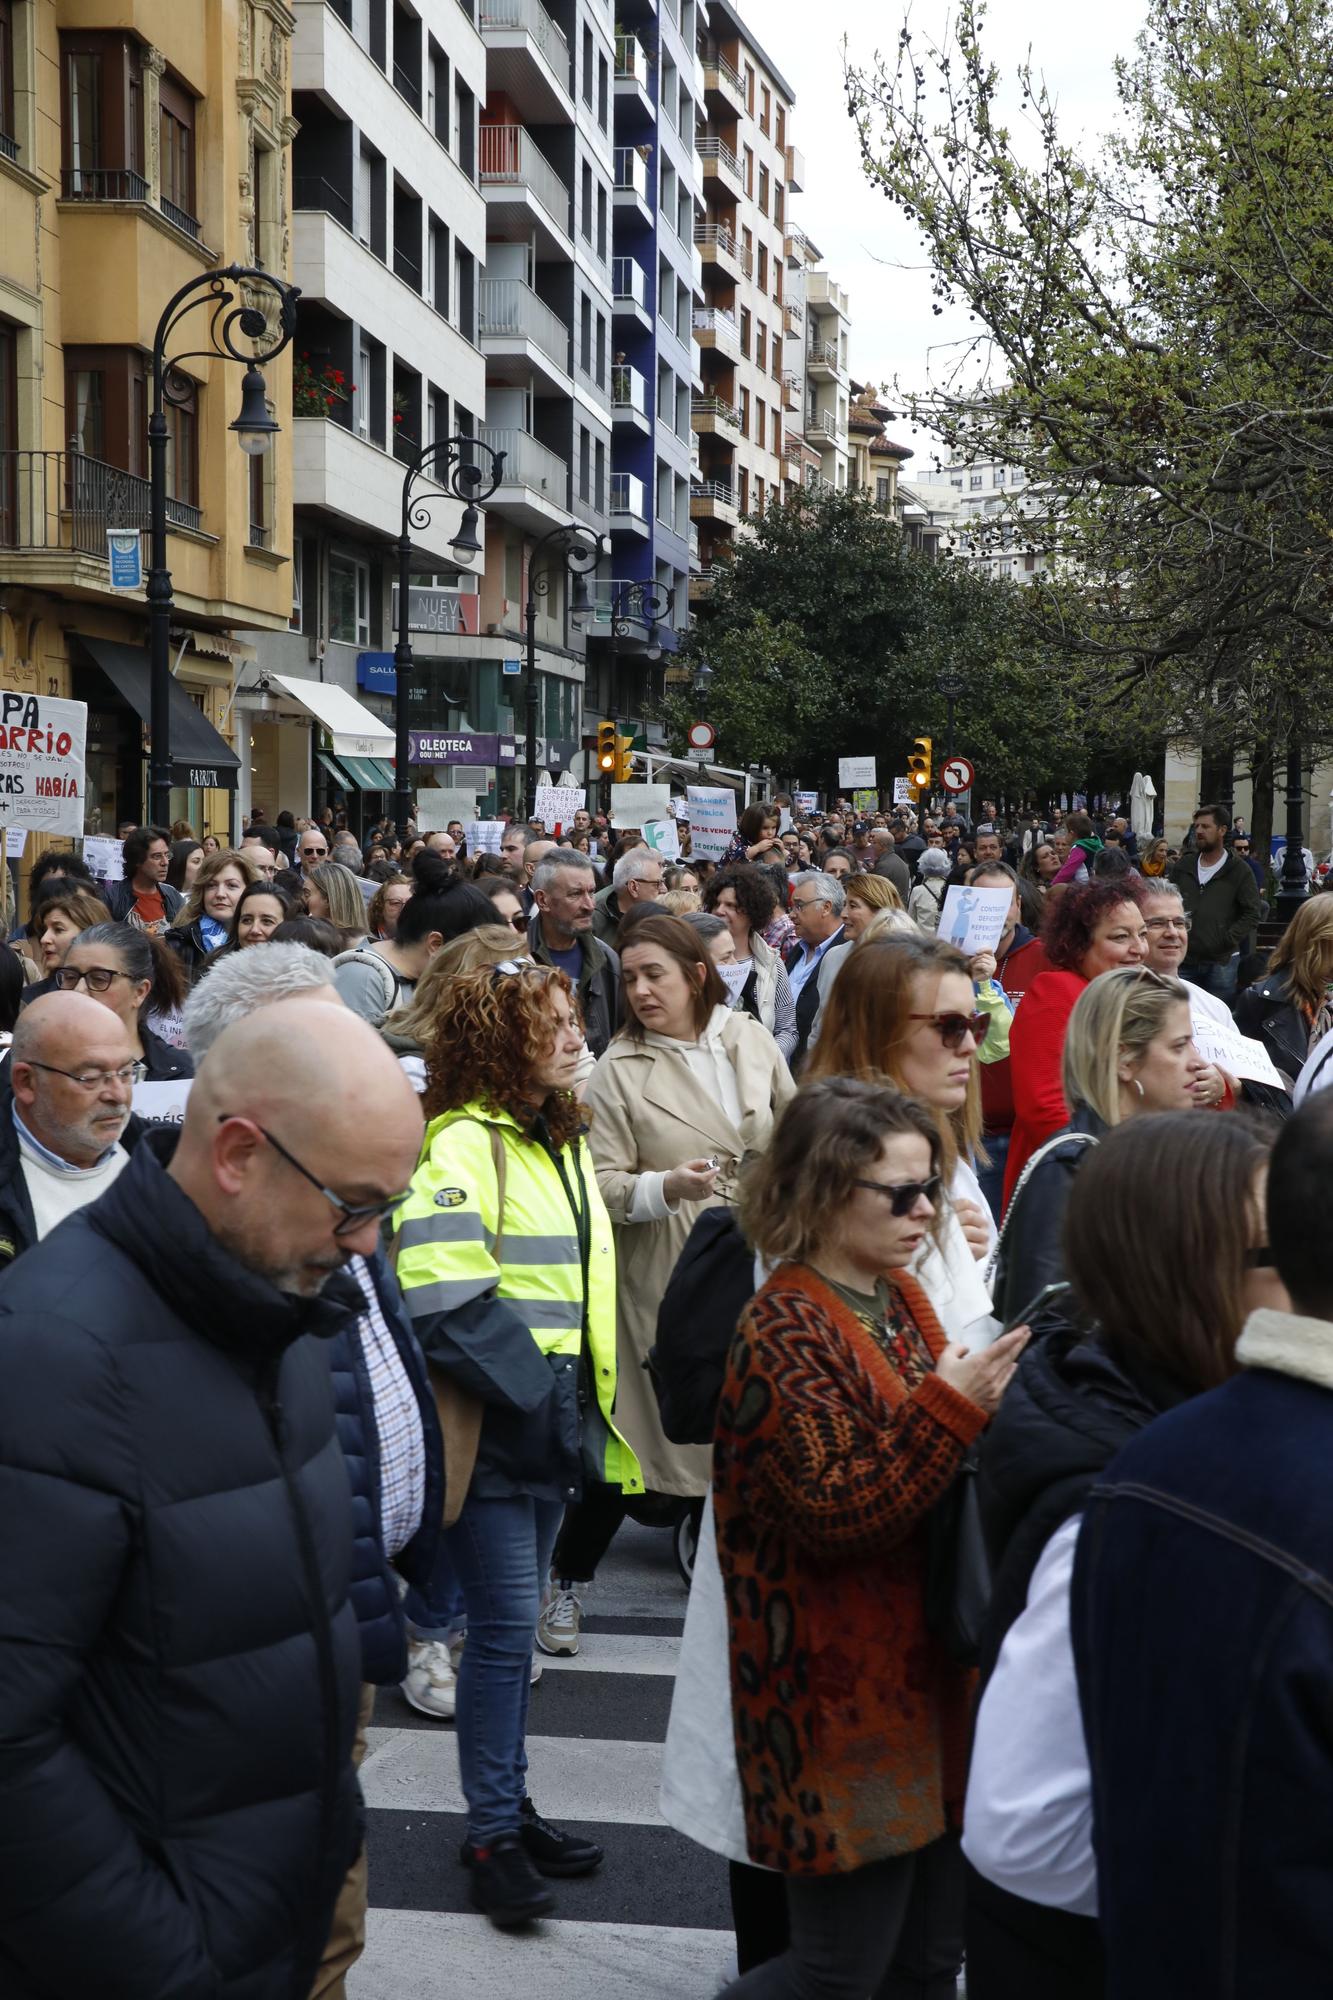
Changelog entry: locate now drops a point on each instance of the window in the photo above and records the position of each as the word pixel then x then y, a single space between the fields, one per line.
pixel 438 267
pixel 745 413
pixel 997 476
pixel 585 463
pixel 763 190
pixel 102 114
pixel 585 202
pixel 465 127
pixel 106 405
pixel 747 250
pixel 588 71
pixel 298 584
pixel 974 480
pixel 585 335
pixel 765 115
pixel 779 203
pixel 7 79
pixel 763 267
pixel 743 492
pixel 603 244
pixel 603 92
pixel 176 133
pixel 599 477
pixel 745 331
pixel 437 93
pixel 183 450
pixel 780 130
pixel 882 493
pixel 261 497
pixel 760 420
pixel 749 88
pixel 465 273
pixel 777 434
pixel 777 356
pixel 749 174
pixel 760 344
pixel 349 600
pixel 758 496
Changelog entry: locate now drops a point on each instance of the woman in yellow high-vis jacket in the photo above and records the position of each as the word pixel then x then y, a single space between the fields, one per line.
pixel 507 1266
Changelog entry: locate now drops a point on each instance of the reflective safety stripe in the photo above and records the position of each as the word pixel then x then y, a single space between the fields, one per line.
pixel 445 1294
pixel 543 1315
pixel 444 1226
pixel 542 1250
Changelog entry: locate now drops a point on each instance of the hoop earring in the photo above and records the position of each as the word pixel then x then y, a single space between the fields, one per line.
pixel 1137 1085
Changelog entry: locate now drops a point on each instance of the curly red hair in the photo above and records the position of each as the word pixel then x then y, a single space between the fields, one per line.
pixel 1066 935
pixel 496 1026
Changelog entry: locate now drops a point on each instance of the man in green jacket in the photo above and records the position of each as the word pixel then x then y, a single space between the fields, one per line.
pixel 1221 900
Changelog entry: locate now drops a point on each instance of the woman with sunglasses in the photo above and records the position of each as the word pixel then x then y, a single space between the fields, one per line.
pixel 1092 928
pixel 507 903
pixel 1166 1250
pixel 1129 1050
pixel 904 1007
pixel 136 976
pixel 845 1415
pixel 507 1266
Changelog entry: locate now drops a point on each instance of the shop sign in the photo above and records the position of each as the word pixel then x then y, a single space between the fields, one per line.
pixel 432 609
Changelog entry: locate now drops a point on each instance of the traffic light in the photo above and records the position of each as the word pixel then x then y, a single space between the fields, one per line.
pixel 918 764
pixel 607 755
pixel 624 772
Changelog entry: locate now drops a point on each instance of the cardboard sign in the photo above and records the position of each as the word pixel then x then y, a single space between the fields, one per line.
pixel 1235 1053
pixel 864 802
pixel 41 761
pixel 557 804
pixel 806 802
pixel 436 807
pixel 635 805
pixel 162 1103
pixel 663 836
pixel 904 792
pixel 973 919
pixel 105 857
pixel 734 978
pixel 856 771
pixel 712 821
pixel 485 835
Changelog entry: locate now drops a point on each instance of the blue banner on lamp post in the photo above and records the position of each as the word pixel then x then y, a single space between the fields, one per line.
pixel 124 548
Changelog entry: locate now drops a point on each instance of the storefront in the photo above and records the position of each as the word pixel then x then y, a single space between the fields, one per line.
pixel 115 681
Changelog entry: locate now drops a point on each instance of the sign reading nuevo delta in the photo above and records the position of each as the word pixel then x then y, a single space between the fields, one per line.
pixel 41 762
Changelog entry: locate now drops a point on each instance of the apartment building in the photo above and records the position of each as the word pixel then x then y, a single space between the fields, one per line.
pixel 874 458
pixel 998 521
pixel 752 327
pixel 828 384
pixel 141 143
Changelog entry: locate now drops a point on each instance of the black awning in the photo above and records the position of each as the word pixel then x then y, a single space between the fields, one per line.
pixel 199 756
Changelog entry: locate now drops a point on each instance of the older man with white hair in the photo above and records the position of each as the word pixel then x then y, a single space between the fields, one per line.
pixel 636 878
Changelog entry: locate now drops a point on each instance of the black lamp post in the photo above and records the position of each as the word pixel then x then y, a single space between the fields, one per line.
pixel 1295 889
pixel 579 550
pixel 233 317
pixel 451 464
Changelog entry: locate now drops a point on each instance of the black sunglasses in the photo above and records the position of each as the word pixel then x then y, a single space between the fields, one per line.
pixel 903 1196
pixel 953 1028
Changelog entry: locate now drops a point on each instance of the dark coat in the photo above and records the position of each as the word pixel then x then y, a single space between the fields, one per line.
pixel 190 948
pixel 807 1000
pixel 894 869
pixel 165 1063
pixel 1267 1013
pixel 18 1227
pixel 598 983
pixel 1032 1248
pixel 1224 913
pixel 119 899
pixel 375 1595
pixel 179 1667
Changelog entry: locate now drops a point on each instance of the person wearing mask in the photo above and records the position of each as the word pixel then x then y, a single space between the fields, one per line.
pixel 1142 1334
pixel 216 1584
pixel 888 863
pixel 382 976
pixel 386 906
pixel 1199 1611
pixel 636 878
pixel 756 837
pixel 1222 903
pixel 260 909
pixel 561 934
pixel 1129 1050
pixel 845 1415
pixel 927 898
pixel 136 976
pixel 312 850
pixel 816 905
pixel 510 1285
pixel 187 858
pixel 745 900
pixel 1092 928
pixel 687 1091
pixel 145 897
pixel 202 925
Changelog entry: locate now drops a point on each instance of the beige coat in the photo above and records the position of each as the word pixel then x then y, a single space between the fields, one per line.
pixel 649 1115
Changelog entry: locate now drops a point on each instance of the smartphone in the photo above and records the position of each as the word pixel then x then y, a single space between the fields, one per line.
pixel 1047 1296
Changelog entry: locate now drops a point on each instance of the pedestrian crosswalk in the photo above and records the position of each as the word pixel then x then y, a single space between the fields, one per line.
pixel 653 1921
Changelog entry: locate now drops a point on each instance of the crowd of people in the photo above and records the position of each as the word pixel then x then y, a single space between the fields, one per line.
pixel 973 1306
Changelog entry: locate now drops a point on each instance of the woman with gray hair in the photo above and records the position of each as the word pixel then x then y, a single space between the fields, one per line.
pixel 927 898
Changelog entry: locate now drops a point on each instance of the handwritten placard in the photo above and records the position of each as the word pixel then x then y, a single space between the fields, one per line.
pixel 557 804
pixel 485 835
pixel 41 761
pixel 974 919
pixel 1235 1053
pixel 712 821
pixel 854 771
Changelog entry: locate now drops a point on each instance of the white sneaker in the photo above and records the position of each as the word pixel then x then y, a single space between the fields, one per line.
pixel 536 1673
pixel 558 1624
pixel 431 1685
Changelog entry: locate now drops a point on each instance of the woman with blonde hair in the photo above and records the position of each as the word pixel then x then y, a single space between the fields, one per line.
pixel 1153 863
pixel 331 892
pixel 904 1008
pixel 1290 1009
pixel 202 925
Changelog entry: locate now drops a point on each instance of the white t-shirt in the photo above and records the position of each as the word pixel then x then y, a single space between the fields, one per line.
pixel 55 1195
pixel 1207 870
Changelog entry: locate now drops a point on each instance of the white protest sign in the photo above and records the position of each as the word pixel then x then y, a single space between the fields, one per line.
pixel 854 771
pixel 162 1103
pixel 436 807
pixel 663 836
pixel 806 802
pixel 16 839
pixel 635 805
pixel 784 820
pixel 105 858
pixel 41 761
pixel 712 821
pixel 903 792
pixel 557 804
pixel 484 835
pixel 1235 1053
pixel 972 919
pixel 734 978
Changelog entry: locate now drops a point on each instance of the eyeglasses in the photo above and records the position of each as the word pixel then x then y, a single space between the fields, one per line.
pixel 97 978
pixel 351 1218
pixel 1181 923
pixel 519 922
pixel 903 1196
pixel 806 902
pixel 954 1028
pixel 93 1079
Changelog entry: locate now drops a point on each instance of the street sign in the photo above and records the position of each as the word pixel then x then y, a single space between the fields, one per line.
pixel 701 736
pixel 511 666
pixel 124 547
pixel 957 775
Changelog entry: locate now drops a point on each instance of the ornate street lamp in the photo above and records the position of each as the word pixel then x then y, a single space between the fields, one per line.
pixel 576 552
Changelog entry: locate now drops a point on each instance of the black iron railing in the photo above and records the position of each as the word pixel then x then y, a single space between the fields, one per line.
pixel 66 500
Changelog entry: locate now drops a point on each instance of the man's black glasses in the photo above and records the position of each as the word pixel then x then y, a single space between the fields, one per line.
pixel 351 1218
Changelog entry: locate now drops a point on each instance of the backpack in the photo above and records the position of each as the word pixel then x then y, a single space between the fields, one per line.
pixel 706 1294
pixel 391 984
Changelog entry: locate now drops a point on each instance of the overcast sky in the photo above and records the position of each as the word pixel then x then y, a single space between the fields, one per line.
pixel 865 241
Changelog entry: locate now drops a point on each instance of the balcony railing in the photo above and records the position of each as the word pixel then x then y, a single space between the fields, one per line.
pixel 310 192
pixel 408 87
pixel 793 314
pixel 718 69
pixel 510 307
pixel 821 421
pixel 529 464
pixel 629 282
pixel 629 389
pixel 510 158
pixel 64 500
pixel 407 268
pixel 718 490
pixel 9 148
pixel 792 450
pixel 718 150
pixel 261 537
pixel 716 236
pixel 721 412
pixel 533 19
pixel 628 496
pixel 823 354
pixel 102 184
pixel 181 217
pixel 631 172
pixel 631 60
pixel 717 321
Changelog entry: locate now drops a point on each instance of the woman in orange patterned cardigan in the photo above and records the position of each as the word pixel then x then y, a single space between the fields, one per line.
pixel 844 1418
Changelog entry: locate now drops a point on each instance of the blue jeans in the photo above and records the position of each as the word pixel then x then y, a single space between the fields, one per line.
pixel 1217 979
pixel 992 1177
pixel 437 1611
pixel 501 1552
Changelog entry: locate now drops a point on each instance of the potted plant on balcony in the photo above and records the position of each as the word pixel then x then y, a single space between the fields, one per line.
pixel 317 386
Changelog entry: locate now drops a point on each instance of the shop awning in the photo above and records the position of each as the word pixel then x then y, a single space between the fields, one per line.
pixel 335 771
pixel 368 774
pixel 353 731
pixel 199 756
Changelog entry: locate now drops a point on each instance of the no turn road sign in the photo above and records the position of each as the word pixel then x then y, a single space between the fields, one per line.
pixel 957 775
pixel 701 736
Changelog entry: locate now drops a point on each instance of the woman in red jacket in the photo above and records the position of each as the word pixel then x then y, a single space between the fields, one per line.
pixel 1091 929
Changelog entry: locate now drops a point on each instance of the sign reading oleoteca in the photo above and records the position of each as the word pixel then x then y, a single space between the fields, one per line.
pixel 42 744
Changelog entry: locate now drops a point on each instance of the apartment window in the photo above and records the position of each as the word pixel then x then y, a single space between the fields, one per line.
pixel 882 493
pixel 759 496
pixel 371 204
pixel 760 344
pixel 585 335
pixel 599 476
pixel 465 126
pixel 763 190
pixel 585 464
pixel 747 251
pixel 743 491
pixel 974 480
pixel 438 266
pixel 777 355
pixel 7 132
pixel 183 449
pixel 437 412
pixel 465 277
pixel 261 497
pixel 603 92
pixel 762 272
pixel 956 480
pixel 997 476
pixel 779 203
pixel 780 130
pixel 588 71
pixel 765 115
pixel 296 621
pixel 745 332
pixel 600 370
pixel 749 88
pixel 603 241
pixel 106 405
pixel 745 413
pixel 760 420
pixel 437 93
pixel 349 600
pixel 749 174
pixel 777 434
pixel 102 83
pixel 585 202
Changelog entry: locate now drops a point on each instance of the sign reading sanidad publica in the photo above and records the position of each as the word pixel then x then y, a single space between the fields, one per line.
pixel 42 743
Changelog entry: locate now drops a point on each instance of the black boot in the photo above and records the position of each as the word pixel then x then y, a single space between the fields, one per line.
pixel 553 1852
pixel 505 1885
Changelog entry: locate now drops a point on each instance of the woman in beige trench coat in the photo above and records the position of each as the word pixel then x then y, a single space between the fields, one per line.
pixel 685 1093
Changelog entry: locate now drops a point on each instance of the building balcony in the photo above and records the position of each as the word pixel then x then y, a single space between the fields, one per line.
pixel 721 168
pixel 321 197
pixel 791 390
pixel 703 584
pixel 714 500
pixel 534 489
pixel 821 360
pixel 717 329
pixel 632 189
pixel 821 427
pixel 713 416
pixel 358 486
pixel 721 253
pixel 821 290
pixel 629 504
pixel 56 508
pixel 723 89
pixel 629 292
pixel 793 452
pixel 527 60
pixel 523 339
pixel 795 170
pixel 793 316
pixel 629 397
pixel 523 190
pixel 633 81
pixel 798 249
pixel 122 187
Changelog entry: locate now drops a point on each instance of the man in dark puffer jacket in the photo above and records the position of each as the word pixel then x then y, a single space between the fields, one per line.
pixel 179 1663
